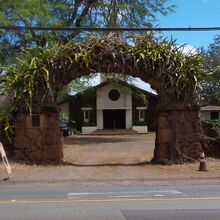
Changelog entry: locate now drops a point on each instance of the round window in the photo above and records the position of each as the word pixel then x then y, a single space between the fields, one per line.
pixel 114 94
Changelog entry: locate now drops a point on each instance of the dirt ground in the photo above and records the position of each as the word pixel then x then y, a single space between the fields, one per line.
pixel 112 149
pixel 102 160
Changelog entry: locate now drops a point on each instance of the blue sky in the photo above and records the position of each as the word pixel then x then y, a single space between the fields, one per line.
pixel 193 13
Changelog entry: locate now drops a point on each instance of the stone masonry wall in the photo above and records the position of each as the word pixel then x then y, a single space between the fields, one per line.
pixel 38 144
pixel 178 135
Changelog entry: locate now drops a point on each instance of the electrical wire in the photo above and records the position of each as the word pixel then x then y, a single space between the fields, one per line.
pixel 92 29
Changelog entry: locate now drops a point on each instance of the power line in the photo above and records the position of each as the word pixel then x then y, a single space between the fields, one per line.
pixel 92 29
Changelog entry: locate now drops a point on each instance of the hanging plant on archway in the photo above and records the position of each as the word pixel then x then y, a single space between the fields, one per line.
pixel 40 73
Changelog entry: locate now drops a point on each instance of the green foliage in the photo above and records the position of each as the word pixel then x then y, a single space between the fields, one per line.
pixel 76 13
pixel 28 73
pixel 23 13
pixel 123 13
pixel 58 13
pixel 142 97
pixel 6 118
pixel 162 59
pixel 21 81
pixel 40 70
pixel 75 86
pixel 179 72
pixel 63 118
pixel 210 92
pixel 139 123
pixel 215 123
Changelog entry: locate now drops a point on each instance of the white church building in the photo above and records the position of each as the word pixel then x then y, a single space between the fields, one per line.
pixel 111 105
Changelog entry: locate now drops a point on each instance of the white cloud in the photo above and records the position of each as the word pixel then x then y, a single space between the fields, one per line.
pixel 142 85
pixel 189 49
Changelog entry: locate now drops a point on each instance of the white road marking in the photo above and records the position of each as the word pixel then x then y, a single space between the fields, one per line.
pixel 128 194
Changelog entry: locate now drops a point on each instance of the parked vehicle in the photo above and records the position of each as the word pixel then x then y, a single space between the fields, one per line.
pixel 64 127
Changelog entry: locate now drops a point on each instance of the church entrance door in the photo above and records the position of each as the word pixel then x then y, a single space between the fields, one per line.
pixel 114 119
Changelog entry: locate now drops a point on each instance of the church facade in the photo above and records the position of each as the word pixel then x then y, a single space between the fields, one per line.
pixel 111 105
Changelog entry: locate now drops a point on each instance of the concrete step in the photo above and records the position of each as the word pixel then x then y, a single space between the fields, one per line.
pixel 113 132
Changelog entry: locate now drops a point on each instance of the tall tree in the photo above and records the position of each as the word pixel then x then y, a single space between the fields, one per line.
pixel 70 13
pixel 211 85
pixel 129 13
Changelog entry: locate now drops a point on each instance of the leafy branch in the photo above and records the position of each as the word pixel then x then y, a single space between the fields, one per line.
pixel 40 73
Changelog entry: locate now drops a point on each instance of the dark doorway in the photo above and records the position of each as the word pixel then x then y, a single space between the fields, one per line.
pixel 114 119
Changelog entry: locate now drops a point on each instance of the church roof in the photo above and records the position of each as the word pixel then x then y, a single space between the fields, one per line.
pixel 108 81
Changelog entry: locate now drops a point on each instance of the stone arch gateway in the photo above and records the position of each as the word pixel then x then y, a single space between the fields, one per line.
pixel 173 74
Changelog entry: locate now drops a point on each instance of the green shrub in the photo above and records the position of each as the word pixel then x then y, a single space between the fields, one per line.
pixel 139 123
pixel 215 123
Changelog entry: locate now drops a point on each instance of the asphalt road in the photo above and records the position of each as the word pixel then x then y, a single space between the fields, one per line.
pixel 118 203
